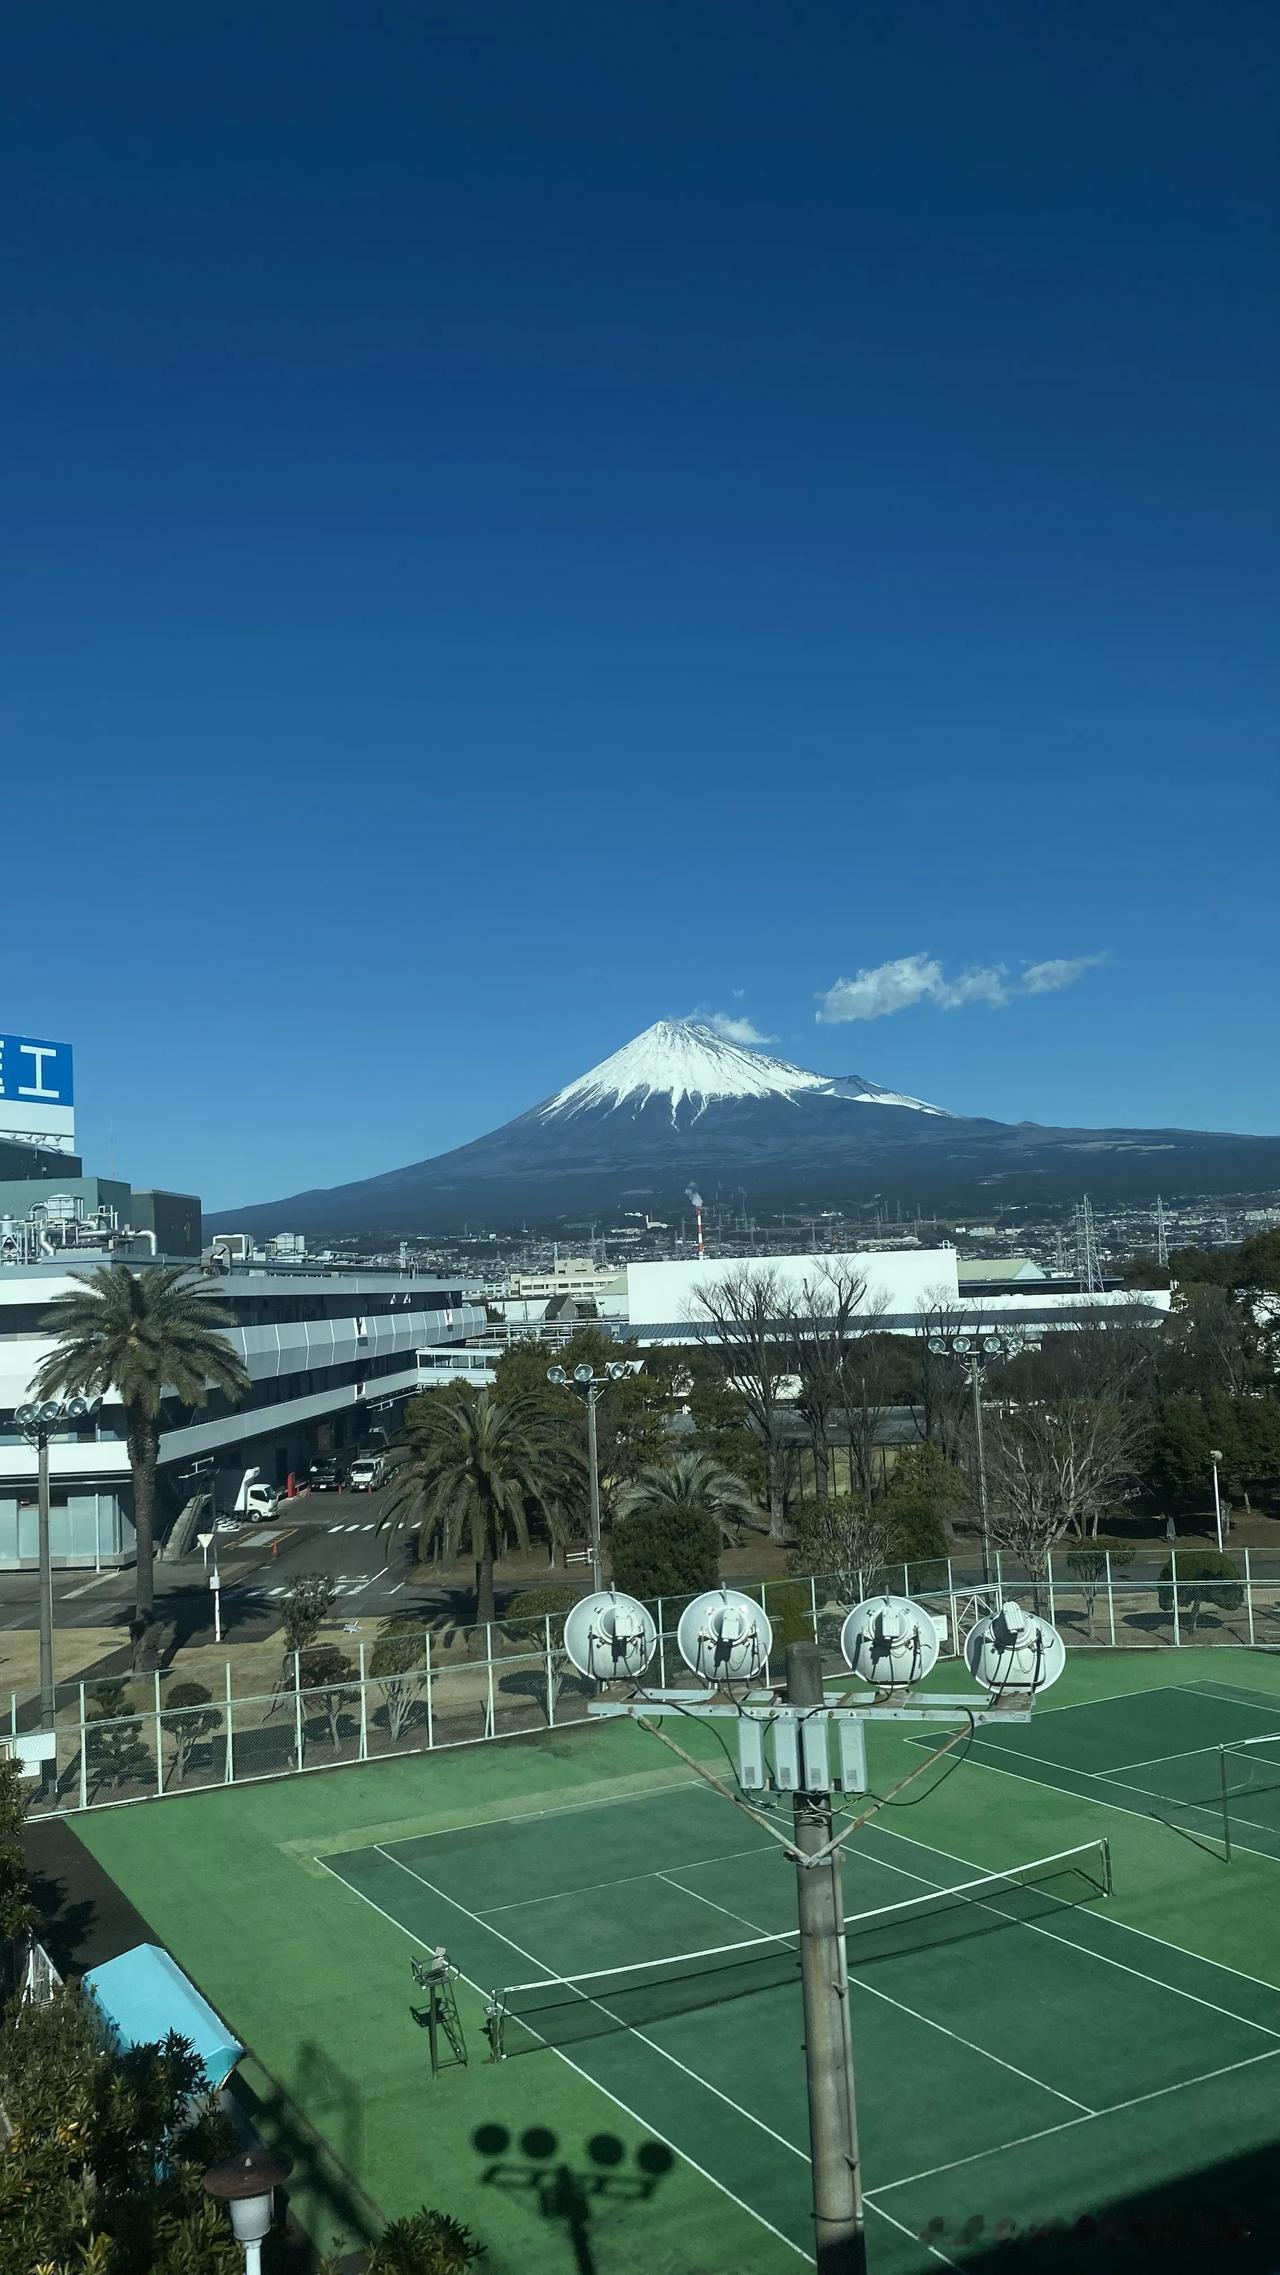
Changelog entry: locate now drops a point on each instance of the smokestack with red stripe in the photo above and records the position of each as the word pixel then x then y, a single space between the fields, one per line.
pixel 692 1194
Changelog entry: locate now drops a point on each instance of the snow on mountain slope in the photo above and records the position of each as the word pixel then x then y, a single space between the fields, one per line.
pixel 684 1060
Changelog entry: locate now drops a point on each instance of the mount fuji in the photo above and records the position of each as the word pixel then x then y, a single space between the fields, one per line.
pixel 680 1106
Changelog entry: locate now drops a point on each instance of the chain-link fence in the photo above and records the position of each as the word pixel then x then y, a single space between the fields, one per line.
pixel 137 1738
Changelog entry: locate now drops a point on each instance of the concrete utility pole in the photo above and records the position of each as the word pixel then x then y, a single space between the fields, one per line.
pixel 839 2233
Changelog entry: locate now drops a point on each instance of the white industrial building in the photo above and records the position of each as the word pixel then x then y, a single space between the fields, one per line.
pixel 904 1287
pixel 325 1350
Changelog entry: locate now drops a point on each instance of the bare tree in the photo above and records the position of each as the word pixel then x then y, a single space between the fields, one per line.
pixel 846 1542
pixel 826 1317
pixel 744 1315
pixel 943 1388
pixel 1054 1471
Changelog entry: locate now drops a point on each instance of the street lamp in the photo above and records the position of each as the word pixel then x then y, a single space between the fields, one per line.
pixel 247 2185
pixel 1215 1456
pixel 589 1386
pixel 976 1351
pixel 37 1423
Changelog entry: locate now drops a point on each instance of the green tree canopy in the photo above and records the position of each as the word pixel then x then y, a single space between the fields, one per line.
pixel 476 1471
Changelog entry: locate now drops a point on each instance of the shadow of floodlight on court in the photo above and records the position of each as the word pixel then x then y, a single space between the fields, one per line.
pixel 568 2195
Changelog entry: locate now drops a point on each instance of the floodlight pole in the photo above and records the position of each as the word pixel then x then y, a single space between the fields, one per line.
pixel 839 2233
pixel 593 1465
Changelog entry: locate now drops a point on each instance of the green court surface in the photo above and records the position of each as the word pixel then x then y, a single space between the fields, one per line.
pixel 1099 2074
pixel 1204 1757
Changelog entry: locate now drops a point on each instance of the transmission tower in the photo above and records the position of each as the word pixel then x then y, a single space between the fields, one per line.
pixel 1162 1234
pixel 1088 1261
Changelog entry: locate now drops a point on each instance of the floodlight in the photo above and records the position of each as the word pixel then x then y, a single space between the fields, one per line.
pixel 617 1370
pixel 890 1641
pixel 1014 1650
pixel 25 1416
pixel 962 1343
pixel 51 1411
pixel 939 1346
pixel 77 1408
pixel 584 1373
pixel 608 1637
pixel 556 1374
pixel 1215 1453
pixel 994 1343
pixel 724 1636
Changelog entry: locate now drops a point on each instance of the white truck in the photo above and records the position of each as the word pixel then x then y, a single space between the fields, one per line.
pixel 369 1473
pixel 241 1497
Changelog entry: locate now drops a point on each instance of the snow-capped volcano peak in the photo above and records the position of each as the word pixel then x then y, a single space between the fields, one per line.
pixel 688 1063
pixel 683 1060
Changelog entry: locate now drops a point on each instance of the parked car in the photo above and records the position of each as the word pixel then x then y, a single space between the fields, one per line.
pixel 369 1473
pixel 325 1475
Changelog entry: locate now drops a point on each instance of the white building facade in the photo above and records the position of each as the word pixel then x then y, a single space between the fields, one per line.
pixel 329 1353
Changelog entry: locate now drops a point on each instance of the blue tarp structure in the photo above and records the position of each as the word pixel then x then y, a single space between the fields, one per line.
pixel 144 1995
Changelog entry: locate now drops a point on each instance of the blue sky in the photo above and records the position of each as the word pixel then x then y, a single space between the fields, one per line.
pixel 521 522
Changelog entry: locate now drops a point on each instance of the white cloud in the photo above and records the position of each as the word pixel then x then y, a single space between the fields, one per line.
pixel 909 980
pixel 1059 971
pixel 732 1028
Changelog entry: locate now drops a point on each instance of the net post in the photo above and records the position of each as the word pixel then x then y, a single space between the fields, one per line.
pixel 1173 1590
pixel 1248 1597
pixel 1108 1876
pixel 1226 1803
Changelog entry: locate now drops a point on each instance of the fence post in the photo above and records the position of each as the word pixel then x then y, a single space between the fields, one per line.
pixel 231 1759
pixel 813 1603
pixel 1173 1584
pixel 426 1660
pixel 364 1706
pixel 84 1754
pixel 999 1575
pixel 297 1710
pixel 489 1724
pixel 662 1648
pixel 1248 1596
pixel 13 1714
pixel 1049 1562
pixel 551 1686
pixel 155 1676
pixel 1111 1600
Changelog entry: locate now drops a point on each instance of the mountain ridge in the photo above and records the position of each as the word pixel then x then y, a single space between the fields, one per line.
pixel 683 1104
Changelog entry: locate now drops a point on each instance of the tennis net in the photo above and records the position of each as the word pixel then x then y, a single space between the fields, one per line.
pixel 561 2010
pixel 1250 1785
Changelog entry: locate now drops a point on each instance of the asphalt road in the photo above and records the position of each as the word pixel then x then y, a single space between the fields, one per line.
pixel 324 1532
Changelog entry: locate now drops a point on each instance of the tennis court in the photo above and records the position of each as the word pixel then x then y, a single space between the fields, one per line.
pixel 1023 2054
pixel 1199 1756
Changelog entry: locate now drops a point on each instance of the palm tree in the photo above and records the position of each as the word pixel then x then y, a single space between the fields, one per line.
pixel 141 1334
pixel 692 1483
pixel 476 1469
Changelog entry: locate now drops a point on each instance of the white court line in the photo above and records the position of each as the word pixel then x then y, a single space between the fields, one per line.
pixel 651 2043
pixel 1126 1785
pixel 618 2103
pixel 561 1809
pixel 596 1887
pixel 1068 2123
pixel 1222 1696
pixel 900 2004
pixel 1153 1982
pixel 1153 1761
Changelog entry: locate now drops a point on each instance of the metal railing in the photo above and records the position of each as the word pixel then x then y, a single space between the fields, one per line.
pixel 119 1739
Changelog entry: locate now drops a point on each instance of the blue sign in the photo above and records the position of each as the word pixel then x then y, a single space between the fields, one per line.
pixel 36 1096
